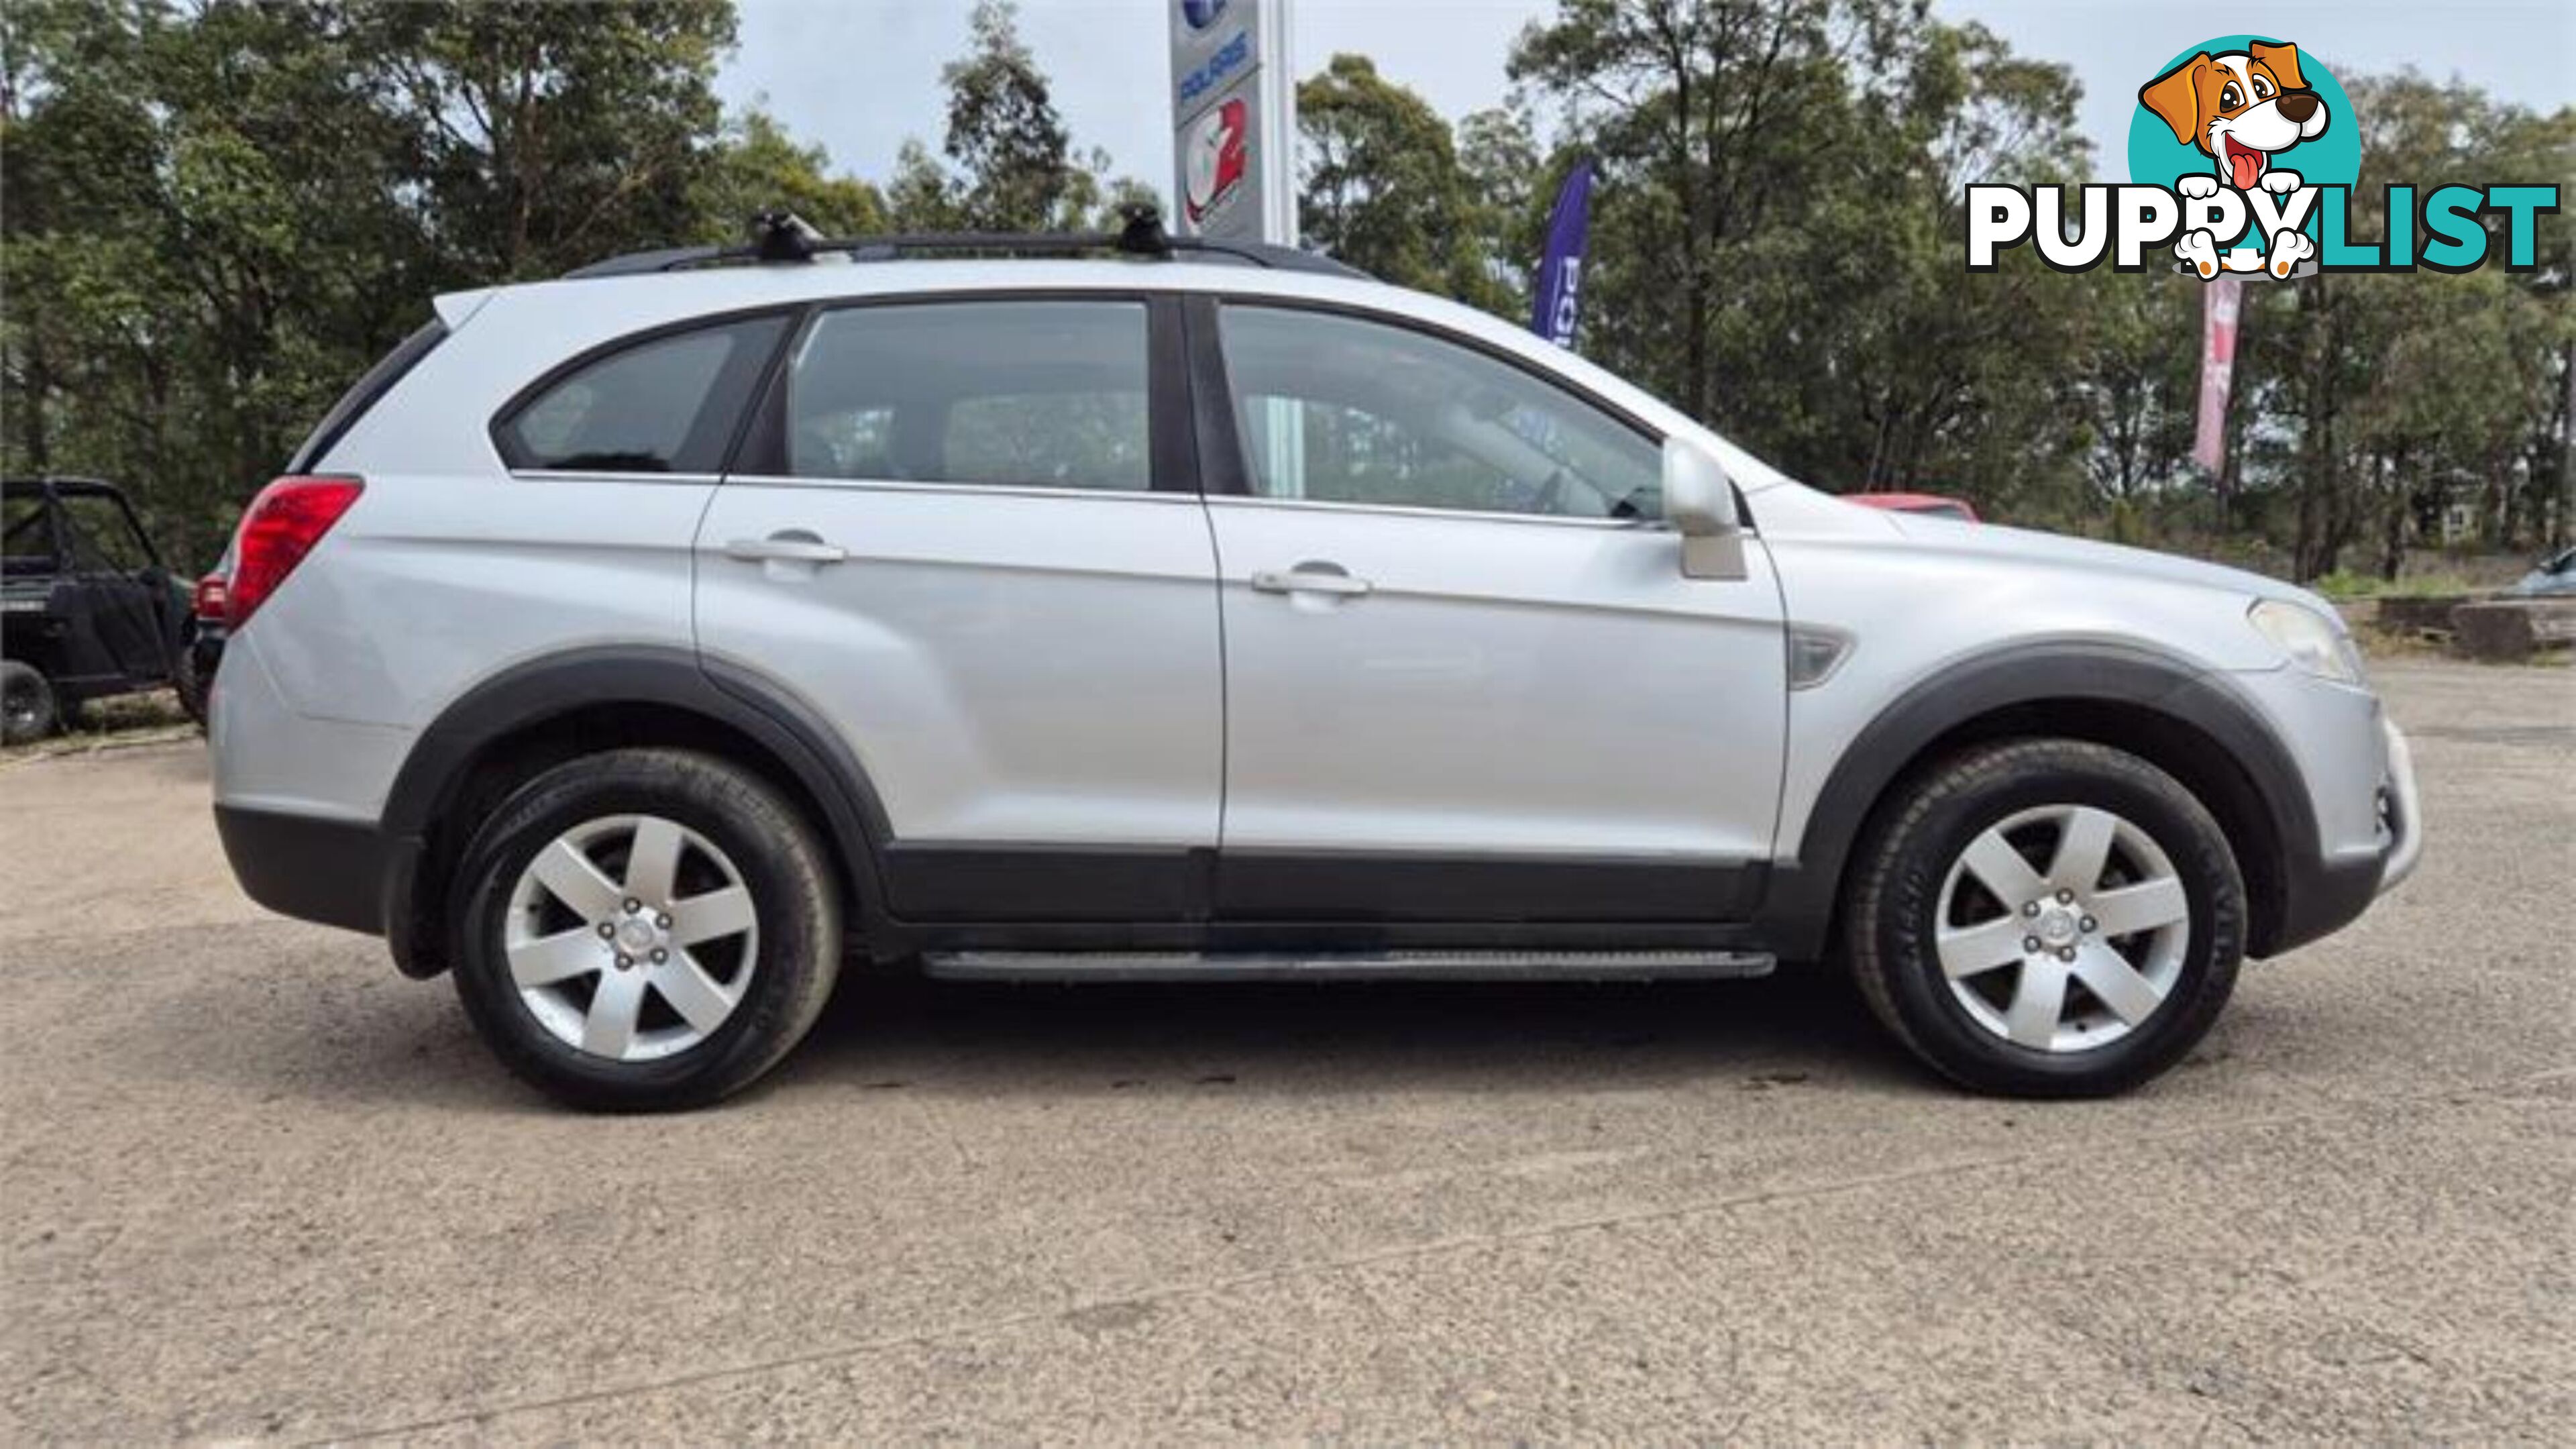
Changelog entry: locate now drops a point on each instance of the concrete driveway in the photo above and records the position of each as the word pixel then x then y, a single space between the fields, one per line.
pixel 255 1185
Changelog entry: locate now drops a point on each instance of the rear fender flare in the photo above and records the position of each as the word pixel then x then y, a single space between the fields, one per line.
pixel 530 695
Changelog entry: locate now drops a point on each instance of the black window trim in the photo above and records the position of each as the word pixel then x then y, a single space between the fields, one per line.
pixel 513 458
pixel 1225 465
pixel 1172 452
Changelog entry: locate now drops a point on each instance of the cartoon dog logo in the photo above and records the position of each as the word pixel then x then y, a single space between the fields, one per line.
pixel 2241 108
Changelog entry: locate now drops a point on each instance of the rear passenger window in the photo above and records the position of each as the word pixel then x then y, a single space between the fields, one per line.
pixel 1046 394
pixel 669 405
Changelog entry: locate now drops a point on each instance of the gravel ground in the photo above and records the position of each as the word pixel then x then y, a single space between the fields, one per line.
pixel 256 1186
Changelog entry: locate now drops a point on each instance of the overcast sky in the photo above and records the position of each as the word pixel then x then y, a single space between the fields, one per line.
pixel 859 76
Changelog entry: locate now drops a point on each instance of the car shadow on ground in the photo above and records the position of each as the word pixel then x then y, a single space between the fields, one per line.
pixel 397 1041
pixel 980 1039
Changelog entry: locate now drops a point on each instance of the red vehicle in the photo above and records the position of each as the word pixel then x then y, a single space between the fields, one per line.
pixel 1931 503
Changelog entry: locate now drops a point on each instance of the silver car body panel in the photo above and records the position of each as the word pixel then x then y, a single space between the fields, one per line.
pixel 1507 685
pixel 1024 665
pixel 1029 666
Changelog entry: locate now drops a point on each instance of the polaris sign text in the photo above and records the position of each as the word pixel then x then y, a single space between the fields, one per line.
pixel 1232 57
pixel 1228 117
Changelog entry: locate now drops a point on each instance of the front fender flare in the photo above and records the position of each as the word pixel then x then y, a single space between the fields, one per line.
pixel 1800 908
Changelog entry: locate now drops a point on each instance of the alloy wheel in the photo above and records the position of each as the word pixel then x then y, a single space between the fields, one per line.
pixel 2062 928
pixel 631 937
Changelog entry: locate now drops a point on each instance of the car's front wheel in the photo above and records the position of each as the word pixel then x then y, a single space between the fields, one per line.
pixel 2047 918
pixel 645 930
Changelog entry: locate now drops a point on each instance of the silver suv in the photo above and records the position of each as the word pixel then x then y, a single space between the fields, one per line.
pixel 642 646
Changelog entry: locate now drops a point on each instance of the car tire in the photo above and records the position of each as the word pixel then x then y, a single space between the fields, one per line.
pixel 185 683
pixel 27 708
pixel 2046 918
pixel 709 907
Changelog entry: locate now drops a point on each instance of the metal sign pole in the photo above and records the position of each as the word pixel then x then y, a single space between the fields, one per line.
pixel 1278 80
pixel 1234 161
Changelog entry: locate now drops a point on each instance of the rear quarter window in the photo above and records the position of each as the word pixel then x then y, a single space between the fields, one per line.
pixel 670 403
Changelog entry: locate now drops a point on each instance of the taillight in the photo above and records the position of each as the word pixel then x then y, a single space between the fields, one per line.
pixel 285 521
pixel 209 604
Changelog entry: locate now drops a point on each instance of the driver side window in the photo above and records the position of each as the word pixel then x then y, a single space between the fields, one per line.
pixel 1338 409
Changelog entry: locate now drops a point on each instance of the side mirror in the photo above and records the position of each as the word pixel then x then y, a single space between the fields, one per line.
pixel 1699 502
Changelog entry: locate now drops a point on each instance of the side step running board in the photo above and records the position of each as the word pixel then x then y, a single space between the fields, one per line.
pixel 1352 966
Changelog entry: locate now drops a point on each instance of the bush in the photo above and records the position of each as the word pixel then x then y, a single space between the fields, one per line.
pixel 2344 584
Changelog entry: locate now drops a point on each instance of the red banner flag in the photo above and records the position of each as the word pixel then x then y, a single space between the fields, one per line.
pixel 2219 303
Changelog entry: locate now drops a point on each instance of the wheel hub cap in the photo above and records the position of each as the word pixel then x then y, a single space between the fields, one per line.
pixel 636 937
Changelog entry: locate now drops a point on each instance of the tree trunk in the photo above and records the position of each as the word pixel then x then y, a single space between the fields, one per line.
pixel 2566 500
pixel 1694 199
pixel 2400 500
pixel 2322 520
pixel 34 440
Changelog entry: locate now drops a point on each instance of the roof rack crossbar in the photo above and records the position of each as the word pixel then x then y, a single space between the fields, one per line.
pixel 784 239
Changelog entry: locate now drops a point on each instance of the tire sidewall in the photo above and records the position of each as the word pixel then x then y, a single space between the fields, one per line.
pixel 45 707
pixel 795 932
pixel 1933 842
pixel 184 683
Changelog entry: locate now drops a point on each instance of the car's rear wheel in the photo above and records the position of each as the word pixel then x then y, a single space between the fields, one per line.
pixel 645 930
pixel 2047 918
pixel 186 683
pixel 27 708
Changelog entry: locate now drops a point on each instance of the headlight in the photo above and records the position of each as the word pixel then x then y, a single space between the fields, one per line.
pixel 2313 642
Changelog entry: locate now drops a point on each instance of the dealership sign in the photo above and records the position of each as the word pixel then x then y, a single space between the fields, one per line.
pixel 1233 120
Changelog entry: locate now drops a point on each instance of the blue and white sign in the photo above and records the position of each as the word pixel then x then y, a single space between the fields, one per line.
pixel 1556 303
pixel 1234 120
pixel 1231 59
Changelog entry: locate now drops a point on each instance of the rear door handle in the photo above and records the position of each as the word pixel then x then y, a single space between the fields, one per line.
pixel 791 546
pixel 1309 578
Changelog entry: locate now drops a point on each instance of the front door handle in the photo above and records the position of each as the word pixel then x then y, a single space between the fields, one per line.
pixel 787 546
pixel 1310 578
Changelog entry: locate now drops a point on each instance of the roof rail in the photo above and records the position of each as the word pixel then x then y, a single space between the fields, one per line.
pixel 782 237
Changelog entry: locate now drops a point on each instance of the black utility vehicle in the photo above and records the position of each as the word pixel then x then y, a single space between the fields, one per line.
pixel 86 607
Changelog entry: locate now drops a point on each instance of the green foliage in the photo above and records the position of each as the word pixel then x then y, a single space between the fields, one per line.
pixel 1381 186
pixel 2385 410
pixel 1003 130
pixel 549 134
pixel 1015 168
pixel 214 214
pixel 2343 585
pixel 756 167
pixel 217 215
pixel 1776 234
pixel 1776 250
